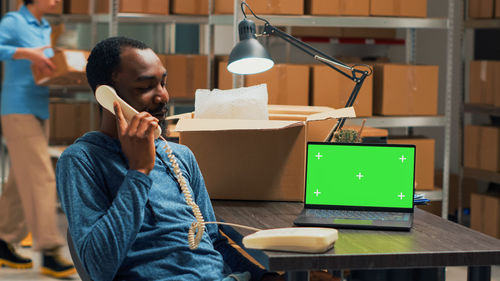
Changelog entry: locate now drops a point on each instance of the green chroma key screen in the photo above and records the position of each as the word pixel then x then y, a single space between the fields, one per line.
pixel 360 175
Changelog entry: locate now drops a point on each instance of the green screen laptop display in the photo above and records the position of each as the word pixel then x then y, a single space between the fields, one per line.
pixel 360 175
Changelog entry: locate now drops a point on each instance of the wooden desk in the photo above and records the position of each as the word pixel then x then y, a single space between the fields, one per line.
pixel 432 242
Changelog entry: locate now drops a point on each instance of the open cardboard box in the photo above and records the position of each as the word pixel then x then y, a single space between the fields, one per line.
pixel 257 159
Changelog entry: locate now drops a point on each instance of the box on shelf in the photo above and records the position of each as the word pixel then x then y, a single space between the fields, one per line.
pixel 276 7
pixel 330 88
pixel 68 121
pixel 399 8
pixel 424 164
pixel 481 9
pixel 497 9
pixel 484 86
pixel 186 73
pixel 191 7
pixel 469 186
pixel 257 159
pixel 343 32
pixel 485 213
pixel 337 7
pixel 70 68
pixel 482 147
pixel 286 83
pixel 160 7
pixel 400 89
pixel 223 7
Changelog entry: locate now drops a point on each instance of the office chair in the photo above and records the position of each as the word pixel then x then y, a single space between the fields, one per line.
pixel 76 260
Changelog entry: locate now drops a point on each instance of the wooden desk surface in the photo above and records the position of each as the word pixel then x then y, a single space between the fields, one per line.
pixel 432 242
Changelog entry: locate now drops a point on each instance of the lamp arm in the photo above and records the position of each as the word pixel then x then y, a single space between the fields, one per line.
pixel 310 50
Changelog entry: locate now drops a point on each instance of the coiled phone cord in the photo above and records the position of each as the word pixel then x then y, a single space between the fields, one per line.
pixel 197 228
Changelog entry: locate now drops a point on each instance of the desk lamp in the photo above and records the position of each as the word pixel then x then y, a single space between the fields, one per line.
pixel 250 57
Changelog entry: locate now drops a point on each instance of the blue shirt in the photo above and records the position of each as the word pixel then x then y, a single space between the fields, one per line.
pixel 130 226
pixel 20 94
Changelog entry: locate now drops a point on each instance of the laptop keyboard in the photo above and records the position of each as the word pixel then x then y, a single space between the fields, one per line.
pixel 357 215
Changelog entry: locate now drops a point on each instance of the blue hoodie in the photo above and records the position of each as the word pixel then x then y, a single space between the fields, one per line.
pixel 130 226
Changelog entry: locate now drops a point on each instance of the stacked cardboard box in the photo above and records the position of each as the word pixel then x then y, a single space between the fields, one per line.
pixel 481 9
pixel 330 88
pixel 287 84
pixel 257 159
pixel 186 73
pixel 482 147
pixel 485 213
pixel 68 121
pixel 398 8
pixel 262 7
pixel 337 7
pixel 484 86
pixel 341 32
pixel 400 89
pixel 161 7
pixel 424 166
pixel 190 7
pixel 70 68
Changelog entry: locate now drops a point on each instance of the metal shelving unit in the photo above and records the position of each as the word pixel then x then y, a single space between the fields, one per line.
pixel 451 24
pixel 474 109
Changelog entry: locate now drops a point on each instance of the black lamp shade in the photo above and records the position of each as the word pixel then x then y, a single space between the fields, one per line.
pixel 248 56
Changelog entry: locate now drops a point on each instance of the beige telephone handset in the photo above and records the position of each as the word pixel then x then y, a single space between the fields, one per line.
pixel 298 239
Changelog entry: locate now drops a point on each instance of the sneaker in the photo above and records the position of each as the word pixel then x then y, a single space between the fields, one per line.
pixel 54 265
pixel 9 257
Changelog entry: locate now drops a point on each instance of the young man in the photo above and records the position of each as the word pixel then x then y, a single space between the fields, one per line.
pixel 127 215
pixel 28 201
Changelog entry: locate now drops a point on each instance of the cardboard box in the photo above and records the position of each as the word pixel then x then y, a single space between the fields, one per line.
pixel 330 88
pixel 190 7
pixel 484 86
pixel 497 9
pixel 400 89
pixel 337 7
pixel 433 207
pixel 70 68
pixel 125 6
pixel 68 121
pixel 399 8
pixel 223 7
pixel 424 164
pixel 341 32
pixel 257 159
pixel 276 7
pixel 482 147
pixel 287 84
pixel 469 186
pixel 481 9
pixel 186 73
pixel 485 213
pixel 472 135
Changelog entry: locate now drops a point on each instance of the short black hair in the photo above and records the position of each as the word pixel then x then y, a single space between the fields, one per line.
pixel 105 59
pixel 26 2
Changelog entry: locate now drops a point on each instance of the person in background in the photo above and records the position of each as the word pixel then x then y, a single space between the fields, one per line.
pixel 126 213
pixel 28 200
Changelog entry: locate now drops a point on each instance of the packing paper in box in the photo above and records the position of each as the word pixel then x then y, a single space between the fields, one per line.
pixel 249 103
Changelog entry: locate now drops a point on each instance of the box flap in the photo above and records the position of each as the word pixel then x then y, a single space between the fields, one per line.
pixel 296 109
pixel 347 112
pixel 188 115
pixel 197 125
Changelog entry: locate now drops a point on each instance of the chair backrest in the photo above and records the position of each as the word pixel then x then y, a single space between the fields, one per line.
pixel 76 260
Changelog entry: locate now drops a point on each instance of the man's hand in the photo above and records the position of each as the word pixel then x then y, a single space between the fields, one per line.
pixel 137 139
pixel 41 63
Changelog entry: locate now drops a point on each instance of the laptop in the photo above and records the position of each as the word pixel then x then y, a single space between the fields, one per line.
pixel 367 186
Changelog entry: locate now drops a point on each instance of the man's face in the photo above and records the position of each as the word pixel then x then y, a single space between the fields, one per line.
pixel 141 82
